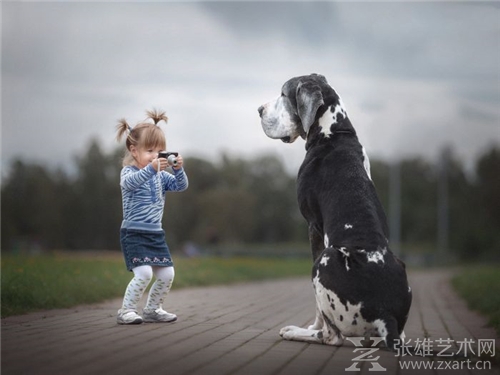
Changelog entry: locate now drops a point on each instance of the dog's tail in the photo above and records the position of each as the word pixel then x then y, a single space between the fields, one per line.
pixel 392 338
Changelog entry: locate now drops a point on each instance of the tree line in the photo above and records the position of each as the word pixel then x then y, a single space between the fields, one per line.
pixel 238 200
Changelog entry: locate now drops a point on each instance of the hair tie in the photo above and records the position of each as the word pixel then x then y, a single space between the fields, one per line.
pixel 129 129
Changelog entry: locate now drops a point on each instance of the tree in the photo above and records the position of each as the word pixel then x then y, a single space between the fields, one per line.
pixel 238 200
pixel 31 207
pixel 418 206
pixel 481 233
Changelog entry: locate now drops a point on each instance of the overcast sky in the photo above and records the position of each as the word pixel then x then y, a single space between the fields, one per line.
pixel 413 76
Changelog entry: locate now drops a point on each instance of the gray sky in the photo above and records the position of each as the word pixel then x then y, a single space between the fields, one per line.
pixel 413 76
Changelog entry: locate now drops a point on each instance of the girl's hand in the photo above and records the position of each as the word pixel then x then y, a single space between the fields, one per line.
pixel 180 162
pixel 162 162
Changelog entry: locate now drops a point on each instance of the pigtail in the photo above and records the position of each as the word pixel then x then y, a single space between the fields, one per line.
pixel 143 135
pixel 122 128
pixel 157 116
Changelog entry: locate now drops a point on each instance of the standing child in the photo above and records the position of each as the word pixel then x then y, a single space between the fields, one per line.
pixel 143 184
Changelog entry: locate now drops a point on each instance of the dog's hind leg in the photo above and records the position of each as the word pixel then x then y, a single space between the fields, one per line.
pixel 295 333
pixel 317 247
pixel 318 322
pixel 325 335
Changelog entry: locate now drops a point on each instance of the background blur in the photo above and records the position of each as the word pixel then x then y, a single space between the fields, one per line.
pixel 421 82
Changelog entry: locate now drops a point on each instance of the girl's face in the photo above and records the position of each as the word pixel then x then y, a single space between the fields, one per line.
pixel 144 156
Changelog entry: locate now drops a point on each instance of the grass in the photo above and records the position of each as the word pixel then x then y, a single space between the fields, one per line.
pixel 65 279
pixel 480 287
pixel 61 280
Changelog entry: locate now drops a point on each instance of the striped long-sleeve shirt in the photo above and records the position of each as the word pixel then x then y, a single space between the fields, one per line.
pixel 143 195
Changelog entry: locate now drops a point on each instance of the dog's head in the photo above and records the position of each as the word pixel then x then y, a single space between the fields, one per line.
pixel 292 114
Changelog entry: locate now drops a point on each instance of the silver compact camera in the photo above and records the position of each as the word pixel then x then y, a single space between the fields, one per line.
pixel 170 156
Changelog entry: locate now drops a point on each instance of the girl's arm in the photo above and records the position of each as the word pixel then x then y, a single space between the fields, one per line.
pixel 176 182
pixel 131 179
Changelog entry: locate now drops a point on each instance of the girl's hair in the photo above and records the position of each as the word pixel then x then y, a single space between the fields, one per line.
pixel 144 135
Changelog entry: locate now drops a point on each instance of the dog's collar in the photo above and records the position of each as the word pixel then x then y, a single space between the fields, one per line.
pixel 315 140
pixel 341 132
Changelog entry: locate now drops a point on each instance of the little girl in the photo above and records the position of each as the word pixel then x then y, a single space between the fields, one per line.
pixel 143 184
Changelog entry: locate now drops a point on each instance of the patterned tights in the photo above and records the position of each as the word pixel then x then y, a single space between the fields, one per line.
pixel 142 277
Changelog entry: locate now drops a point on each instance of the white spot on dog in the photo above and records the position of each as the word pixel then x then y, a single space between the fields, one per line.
pixel 346 256
pixel 380 327
pixel 339 109
pixel 327 241
pixel 324 260
pixel 347 226
pixel 374 256
pixel 325 122
pixel 366 163
pixel 329 118
pixel 343 251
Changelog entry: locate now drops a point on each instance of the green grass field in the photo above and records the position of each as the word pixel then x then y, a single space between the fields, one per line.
pixel 65 279
pixel 31 283
pixel 480 287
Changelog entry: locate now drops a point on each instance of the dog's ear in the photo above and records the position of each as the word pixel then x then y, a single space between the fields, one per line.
pixel 309 99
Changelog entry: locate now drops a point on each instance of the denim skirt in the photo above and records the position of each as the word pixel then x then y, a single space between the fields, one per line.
pixel 142 247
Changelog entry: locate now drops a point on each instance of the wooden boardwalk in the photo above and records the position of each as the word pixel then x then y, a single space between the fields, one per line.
pixel 233 330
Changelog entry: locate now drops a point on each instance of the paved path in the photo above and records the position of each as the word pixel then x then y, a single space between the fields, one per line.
pixel 233 330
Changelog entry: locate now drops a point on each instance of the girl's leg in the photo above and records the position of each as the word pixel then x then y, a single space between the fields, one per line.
pixel 153 312
pixel 161 287
pixel 135 289
pixel 137 286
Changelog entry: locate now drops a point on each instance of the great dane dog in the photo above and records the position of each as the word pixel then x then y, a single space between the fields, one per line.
pixel 361 287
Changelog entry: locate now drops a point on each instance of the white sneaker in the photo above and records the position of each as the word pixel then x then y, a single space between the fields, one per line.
pixel 158 316
pixel 128 316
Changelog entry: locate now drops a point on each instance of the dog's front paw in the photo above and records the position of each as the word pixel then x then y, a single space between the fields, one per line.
pixel 287 332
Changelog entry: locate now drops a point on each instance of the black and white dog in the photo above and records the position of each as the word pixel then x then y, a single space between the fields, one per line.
pixel 361 287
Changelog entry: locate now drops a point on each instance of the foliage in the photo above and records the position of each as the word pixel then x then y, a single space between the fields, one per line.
pixel 480 287
pixel 249 201
pixel 62 280
pixel 238 200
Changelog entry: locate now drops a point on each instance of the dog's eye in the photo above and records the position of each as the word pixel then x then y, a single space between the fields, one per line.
pixel 283 94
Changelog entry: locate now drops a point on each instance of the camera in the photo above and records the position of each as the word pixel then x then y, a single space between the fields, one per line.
pixel 170 156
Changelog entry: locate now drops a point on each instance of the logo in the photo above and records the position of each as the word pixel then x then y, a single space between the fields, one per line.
pixel 441 353
pixel 367 354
